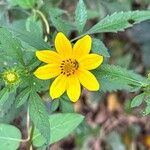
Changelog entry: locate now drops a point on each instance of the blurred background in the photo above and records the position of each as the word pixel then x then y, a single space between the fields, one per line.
pixel 110 122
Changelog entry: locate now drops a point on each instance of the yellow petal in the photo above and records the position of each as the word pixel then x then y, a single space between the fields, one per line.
pixel 74 88
pixel 82 47
pixel 63 45
pixel 90 61
pixel 48 56
pixel 58 86
pixel 88 80
pixel 47 71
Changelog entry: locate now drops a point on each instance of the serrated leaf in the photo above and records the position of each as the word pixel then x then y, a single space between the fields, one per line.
pixel 10 45
pixel 7 109
pixel 39 115
pixel 30 38
pixel 119 21
pixel 80 15
pixel 56 11
pixel 114 78
pixel 4 94
pixel 34 26
pixel 137 100
pixel 22 97
pixel 61 125
pixel 98 47
pixel 10 137
pixel 61 25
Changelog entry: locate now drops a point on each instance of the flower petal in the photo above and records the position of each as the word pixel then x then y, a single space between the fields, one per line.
pixel 88 80
pixel 47 71
pixel 74 88
pixel 63 45
pixel 58 86
pixel 82 47
pixel 90 61
pixel 48 56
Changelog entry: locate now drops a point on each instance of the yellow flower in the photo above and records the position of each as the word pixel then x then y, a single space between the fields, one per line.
pixel 70 67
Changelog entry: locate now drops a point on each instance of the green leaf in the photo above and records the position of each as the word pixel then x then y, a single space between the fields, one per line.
pixel 61 125
pixel 66 105
pixel 61 24
pixel 80 15
pixel 7 109
pixel 10 45
pixel 39 115
pixel 22 97
pixel 137 100
pixel 54 105
pixel 147 110
pixel 4 94
pixel 56 11
pixel 114 78
pixel 119 21
pixel 30 38
pixel 92 14
pixel 34 26
pixel 10 137
pixel 98 47
pixel 125 60
pixel 26 4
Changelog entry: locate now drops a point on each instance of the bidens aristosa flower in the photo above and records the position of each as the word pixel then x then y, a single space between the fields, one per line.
pixel 70 67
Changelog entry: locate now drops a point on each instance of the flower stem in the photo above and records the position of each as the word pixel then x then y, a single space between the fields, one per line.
pixel 29 144
pixel 80 36
pixel 44 20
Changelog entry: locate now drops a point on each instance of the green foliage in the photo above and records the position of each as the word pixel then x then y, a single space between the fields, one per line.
pixel 61 25
pixel 66 105
pixel 4 94
pixel 13 47
pixel 10 137
pixel 137 100
pixel 80 15
pixel 56 12
pixel 114 78
pixel 34 26
pixel 147 110
pixel 99 48
pixel 22 97
pixel 26 4
pixel 58 22
pixel 7 107
pixel 119 21
pixel 39 115
pixel 54 105
pixel 30 37
pixel 125 61
pixel 61 125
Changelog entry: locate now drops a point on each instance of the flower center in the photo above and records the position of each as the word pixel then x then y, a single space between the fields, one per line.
pixel 69 66
pixel 11 77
